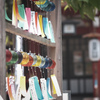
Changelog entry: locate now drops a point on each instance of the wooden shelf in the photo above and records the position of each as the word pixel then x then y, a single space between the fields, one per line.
pixel 17 31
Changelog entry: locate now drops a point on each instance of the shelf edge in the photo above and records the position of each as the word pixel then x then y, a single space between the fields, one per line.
pixel 17 31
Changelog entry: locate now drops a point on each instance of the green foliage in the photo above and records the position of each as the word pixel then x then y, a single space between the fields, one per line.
pixel 85 7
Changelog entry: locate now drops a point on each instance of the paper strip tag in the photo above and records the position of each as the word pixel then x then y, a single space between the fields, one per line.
pixel 17 12
pixel 52 32
pixel 37 23
pixel 28 16
pixel 27 97
pixel 25 23
pixel 54 90
pixel 45 27
pixel 44 88
pixel 1 98
pixel 41 26
pixel 11 82
pixel 22 14
pixel 49 32
pixel 18 93
pixel 32 26
pixel 56 85
pixel 48 88
pixel 6 85
pixel 38 27
pixel 14 15
pixel 23 85
pixel 32 90
pixel 37 88
pixel 9 90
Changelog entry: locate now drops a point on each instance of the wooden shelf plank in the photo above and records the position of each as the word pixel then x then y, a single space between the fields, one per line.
pixel 17 31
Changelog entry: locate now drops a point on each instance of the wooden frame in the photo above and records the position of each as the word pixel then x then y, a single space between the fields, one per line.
pixel 2 51
pixel 55 49
pixel 17 31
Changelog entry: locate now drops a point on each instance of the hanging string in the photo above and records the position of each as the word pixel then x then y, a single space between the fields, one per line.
pixel 35 71
pixel 27 3
pixel 30 54
pixel 34 6
pixel 29 71
pixel 10 69
pixel 31 5
pixel 25 45
pixel 43 73
pixel 32 71
pixel 30 46
pixel 41 49
pixel 38 48
pixel 34 47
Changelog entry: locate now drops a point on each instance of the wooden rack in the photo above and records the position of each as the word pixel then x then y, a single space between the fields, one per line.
pixel 17 31
pixel 55 49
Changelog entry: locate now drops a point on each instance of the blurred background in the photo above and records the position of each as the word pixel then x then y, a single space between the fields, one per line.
pixel 80 75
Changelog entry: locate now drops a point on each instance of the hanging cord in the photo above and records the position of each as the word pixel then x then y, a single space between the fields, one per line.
pixel 34 47
pixel 38 48
pixel 43 73
pixel 10 69
pixel 32 71
pixel 27 3
pixel 30 47
pixel 41 55
pixel 13 66
pixel 30 54
pixel 35 71
pixel 34 7
pixel 41 47
pixel 31 5
pixel 29 71
pixel 25 45
pixel 48 74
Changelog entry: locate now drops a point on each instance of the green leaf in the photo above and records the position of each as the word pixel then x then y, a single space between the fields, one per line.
pixel 66 7
pixel 88 10
pixel 84 0
pixel 75 5
pixel 95 3
pixel 85 7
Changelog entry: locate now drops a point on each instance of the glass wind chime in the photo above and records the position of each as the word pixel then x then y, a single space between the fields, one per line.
pixel 34 91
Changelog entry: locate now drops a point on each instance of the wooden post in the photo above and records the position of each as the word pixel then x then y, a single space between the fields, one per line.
pixel 2 51
pixel 56 21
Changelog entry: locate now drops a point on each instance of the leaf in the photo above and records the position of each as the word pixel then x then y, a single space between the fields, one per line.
pixel 88 10
pixel 66 7
pixel 84 0
pixel 95 3
pixel 75 5
pixel 85 7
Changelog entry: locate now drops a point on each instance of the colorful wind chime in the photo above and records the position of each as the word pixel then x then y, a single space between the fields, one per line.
pixel 34 91
pixel 28 59
pixel 45 5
